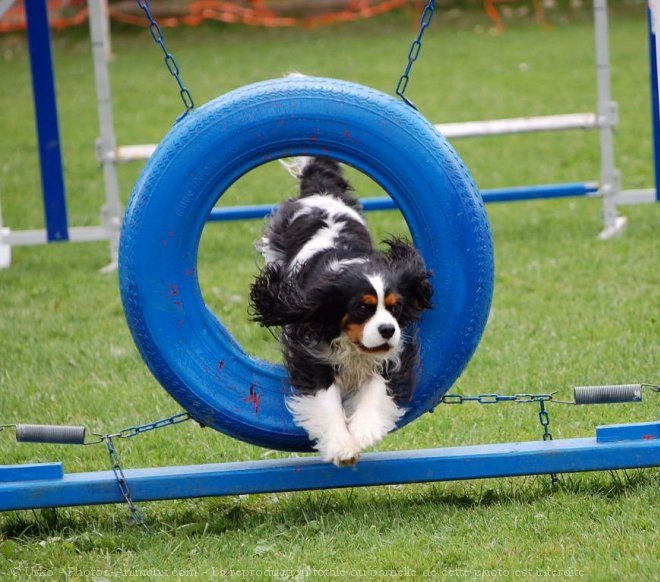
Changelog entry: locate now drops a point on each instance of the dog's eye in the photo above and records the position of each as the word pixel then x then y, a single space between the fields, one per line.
pixel 364 309
pixel 396 309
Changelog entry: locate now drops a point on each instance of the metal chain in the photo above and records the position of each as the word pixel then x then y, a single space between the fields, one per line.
pixel 133 431
pixel 136 515
pixel 170 63
pixel 126 433
pixel 544 419
pixel 496 398
pixel 413 53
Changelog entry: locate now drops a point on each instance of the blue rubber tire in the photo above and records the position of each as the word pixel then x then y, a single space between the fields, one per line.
pixel 187 348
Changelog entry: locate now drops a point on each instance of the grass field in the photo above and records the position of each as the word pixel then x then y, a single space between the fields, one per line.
pixel 567 310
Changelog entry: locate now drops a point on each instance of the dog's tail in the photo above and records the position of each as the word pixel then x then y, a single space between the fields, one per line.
pixel 317 175
pixel 295 166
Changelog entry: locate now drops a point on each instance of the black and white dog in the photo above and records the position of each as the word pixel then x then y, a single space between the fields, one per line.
pixel 343 307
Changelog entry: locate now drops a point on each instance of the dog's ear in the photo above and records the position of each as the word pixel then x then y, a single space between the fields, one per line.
pixel 276 299
pixel 412 277
pixel 416 288
pixel 325 301
pixel 273 300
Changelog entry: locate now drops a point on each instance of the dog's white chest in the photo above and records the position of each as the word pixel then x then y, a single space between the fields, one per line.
pixel 352 367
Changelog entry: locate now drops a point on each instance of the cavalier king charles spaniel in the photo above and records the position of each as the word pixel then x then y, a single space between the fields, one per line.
pixel 344 309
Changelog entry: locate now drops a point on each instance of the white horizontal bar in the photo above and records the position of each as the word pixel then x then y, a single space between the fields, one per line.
pixel 449 130
pixel 40 237
pixel 519 125
pixel 636 197
pixel 134 152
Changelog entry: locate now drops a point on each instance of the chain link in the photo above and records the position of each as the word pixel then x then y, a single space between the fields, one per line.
pixel 133 431
pixel 497 398
pixel 544 419
pixel 170 62
pixel 136 515
pixel 126 433
pixel 413 53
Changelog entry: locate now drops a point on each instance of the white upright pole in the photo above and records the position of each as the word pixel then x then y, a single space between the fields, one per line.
pixel 610 179
pixel 107 39
pixel 5 247
pixel 107 144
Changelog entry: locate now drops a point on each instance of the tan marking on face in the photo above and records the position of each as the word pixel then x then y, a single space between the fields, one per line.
pixel 354 331
pixel 369 299
pixel 391 299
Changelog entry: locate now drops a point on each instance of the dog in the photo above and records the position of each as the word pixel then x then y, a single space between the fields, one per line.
pixel 344 309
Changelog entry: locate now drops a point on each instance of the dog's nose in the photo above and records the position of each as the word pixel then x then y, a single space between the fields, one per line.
pixel 386 330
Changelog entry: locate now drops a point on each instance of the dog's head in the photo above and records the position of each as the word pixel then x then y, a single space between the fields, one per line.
pixel 370 300
pixel 379 302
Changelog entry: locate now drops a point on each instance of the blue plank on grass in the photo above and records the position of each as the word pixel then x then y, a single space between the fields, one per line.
pixel 258 211
pixel 48 134
pixel 308 473
pixel 31 472
pixel 627 432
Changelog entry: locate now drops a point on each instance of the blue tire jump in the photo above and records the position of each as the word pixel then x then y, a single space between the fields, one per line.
pixel 187 348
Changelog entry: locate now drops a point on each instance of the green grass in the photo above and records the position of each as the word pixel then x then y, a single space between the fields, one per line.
pixel 568 309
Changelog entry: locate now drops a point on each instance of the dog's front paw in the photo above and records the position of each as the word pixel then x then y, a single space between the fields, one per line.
pixel 343 451
pixel 367 430
pixel 368 427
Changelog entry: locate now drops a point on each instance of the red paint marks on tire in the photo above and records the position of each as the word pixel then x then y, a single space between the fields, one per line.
pixel 254 398
pixel 218 369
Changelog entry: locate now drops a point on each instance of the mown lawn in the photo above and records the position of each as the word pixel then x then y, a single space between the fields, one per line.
pixel 568 309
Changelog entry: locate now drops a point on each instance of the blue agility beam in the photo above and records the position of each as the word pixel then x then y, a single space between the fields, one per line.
pixel 258 211
pixel 45 105
pixel 614 447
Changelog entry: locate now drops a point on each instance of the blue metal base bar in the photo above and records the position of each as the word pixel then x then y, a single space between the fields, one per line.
pixel 385 203
pixel 622 448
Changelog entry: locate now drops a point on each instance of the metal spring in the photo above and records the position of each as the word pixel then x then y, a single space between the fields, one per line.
pixel 47 433
pixel 608 394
